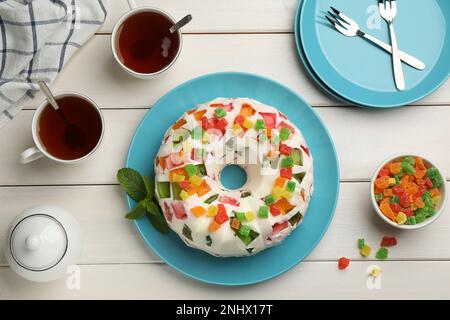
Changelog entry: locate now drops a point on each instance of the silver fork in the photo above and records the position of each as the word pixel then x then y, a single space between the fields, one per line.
pixel 388 11
pixel 350 28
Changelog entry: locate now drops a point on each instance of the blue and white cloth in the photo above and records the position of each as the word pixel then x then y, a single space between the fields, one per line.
pixel 37 38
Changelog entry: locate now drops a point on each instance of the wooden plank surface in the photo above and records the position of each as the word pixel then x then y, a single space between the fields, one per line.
pixel 230 16
pixel 94 72
pixel 361 146
pixel 110 238
pixel 310 280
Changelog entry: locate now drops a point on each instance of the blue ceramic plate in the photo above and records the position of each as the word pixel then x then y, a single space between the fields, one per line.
pixel 271 262
pixel 305 62
pixel 361 73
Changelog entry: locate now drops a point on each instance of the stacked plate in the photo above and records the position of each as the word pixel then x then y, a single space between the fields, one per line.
pixel 358 72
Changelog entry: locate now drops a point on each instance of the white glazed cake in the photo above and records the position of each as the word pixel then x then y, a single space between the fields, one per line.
pixel 260 214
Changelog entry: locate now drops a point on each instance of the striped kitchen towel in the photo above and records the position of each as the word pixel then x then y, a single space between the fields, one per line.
pixel 37 37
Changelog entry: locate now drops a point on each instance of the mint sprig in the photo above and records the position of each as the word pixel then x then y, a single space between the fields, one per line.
pixel 141 189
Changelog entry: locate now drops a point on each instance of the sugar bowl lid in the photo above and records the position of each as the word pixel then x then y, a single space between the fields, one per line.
pixel 42 243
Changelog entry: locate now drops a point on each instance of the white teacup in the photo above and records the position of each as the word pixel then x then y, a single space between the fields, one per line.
pixel 39 151
pixel 134 9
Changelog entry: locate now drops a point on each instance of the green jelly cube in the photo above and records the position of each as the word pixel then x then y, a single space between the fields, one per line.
pixel 395 199
pixel 297 155
pixel 284 133
pixel 379 197
pixel 240 216
pixel 361 243
pixel 263 212
pixel 163 189
pixel 220 113
pixel 244 230
pixel 197 133
pixel 269 200
pixel 259 125
pixel 411 220
pixel 290 186
pixel 176 189
pixel 191 169
pixel 435 177
pixel 287 162
pixel 382 253
pixel 420 216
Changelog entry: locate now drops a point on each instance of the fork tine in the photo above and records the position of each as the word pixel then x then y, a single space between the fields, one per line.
pixel 341 16
pixel 338 19
pixel 331 21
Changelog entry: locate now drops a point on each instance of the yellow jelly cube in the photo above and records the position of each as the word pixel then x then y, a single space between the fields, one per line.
pixel 365 250
pixel 375 272
pixel 212 211
pixel 286 194
pixel 392 181
pixel 247 124
pixel 196 180
pixel 184 195
pixel 436 200
pixel 401 218
pixel 205 137
pixel 177 178
pixel 277 192
pixel 249 215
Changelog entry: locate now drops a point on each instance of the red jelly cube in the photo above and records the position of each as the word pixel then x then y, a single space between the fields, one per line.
pixel 284 149
pixel 388 241
pixel 306 149
pixel 184 184
pixel 398 190
pixel 286 173
pixel 229 200
pixel 408 212
pixel 275 211
pixel 205 123
pixel 343 263
pixel 221 216
pixel 284 124
pixel 404 200
pixel 383 172
pixel 278 227
pixel 168 213
pixel 396 207
pixel 178 208
pixel 269 118
pixel 239 119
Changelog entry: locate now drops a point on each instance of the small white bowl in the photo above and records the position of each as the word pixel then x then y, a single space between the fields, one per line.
pixel 439 209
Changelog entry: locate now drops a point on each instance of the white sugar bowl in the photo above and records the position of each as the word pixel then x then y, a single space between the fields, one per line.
pixel 42 242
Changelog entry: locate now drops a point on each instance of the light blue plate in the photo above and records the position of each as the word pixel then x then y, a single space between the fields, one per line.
pixel 305 61
pixel 359 72
pixel 271 262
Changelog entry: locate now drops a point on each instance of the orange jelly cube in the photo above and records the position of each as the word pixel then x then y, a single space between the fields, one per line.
pixel 279 182
pixel 382 182
pixel 388 192
pixel 395 167
pixel 198 211
pixel 385 208
pixel 214 226
pixel 434 192
pixel 247 110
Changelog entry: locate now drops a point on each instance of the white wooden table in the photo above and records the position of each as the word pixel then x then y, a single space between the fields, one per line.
pixel 253 36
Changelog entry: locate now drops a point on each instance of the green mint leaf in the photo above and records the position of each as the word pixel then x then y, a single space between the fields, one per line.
pixel 152 208
pixel 159 222
pixel 149 187
pixel 132 183
pixel 138 211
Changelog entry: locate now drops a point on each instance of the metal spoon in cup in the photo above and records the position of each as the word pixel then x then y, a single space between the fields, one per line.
pixel 73 134
pixel 180 23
